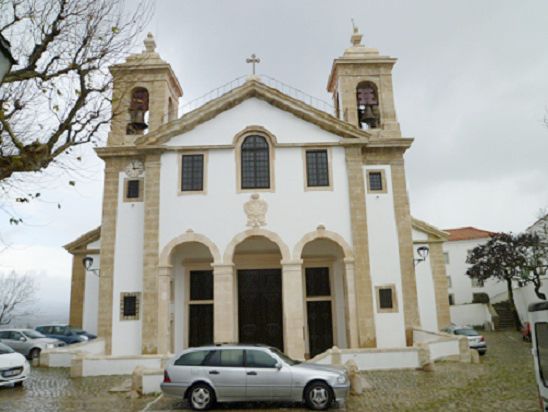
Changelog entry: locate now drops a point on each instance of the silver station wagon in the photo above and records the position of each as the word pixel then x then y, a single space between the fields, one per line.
pixel 235 373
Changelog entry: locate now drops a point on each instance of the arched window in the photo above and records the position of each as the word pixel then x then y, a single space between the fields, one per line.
pixel 138 111
pixel 255 163
pixel 368 106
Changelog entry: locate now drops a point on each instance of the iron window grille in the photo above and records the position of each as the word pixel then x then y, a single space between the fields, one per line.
pixel 375 181
pixel 385 298
pixel 317 168
pixel 133 189
pixel 192 178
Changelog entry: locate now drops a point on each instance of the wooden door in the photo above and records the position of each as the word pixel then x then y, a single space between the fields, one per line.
pixel 319 310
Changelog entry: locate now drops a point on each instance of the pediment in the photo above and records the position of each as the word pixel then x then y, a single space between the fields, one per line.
pixel 253 89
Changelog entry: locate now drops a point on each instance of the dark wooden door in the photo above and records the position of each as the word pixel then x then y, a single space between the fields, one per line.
pixel 320 326
pixel 200 308
pixel 260 306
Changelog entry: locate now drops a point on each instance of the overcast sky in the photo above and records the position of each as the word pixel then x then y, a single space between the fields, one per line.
pixel 471 86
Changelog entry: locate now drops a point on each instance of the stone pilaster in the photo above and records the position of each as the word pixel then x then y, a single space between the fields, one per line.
pixel 150 307
pixel 358 218
pixel 350 310
pixel 403 224
pixel 164 313
pixel 293 309
pixel 439 275
pixel 108 241
pixel 224 303
pixel 77 291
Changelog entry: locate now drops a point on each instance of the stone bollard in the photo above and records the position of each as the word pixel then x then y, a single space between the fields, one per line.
pixel 357 382
pixel 336 356
pixel 424 357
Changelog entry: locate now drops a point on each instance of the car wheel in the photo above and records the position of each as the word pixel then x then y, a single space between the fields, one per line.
pixel 201 397
pixel 318 396
pixel 34 354
pixel 18 384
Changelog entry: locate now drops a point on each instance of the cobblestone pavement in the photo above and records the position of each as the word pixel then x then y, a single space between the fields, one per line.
pixel 51 389
pixel 504 381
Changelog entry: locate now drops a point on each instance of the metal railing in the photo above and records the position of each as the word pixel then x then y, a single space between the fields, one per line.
pixel 268 81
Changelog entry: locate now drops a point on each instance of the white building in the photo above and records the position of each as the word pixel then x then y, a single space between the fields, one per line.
pixel 455 250
pixel 257 217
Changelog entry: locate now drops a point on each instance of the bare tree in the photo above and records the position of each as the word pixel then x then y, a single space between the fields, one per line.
pixel 58 95
pixel 16 291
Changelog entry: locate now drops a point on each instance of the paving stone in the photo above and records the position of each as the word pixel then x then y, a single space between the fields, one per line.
pixel 502 381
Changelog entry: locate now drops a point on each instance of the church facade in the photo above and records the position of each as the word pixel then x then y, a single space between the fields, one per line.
pixel 257 217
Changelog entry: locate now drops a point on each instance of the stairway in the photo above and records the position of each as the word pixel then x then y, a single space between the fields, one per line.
pixel 505 318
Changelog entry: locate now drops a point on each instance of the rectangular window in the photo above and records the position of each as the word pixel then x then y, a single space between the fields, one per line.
pixel 477 283
pixel 451 300
pixel 386 299
pixel 129 305
pixel 541 334
pixel 133 190
pixel 376 181
pixel 317 168
pixel 192 169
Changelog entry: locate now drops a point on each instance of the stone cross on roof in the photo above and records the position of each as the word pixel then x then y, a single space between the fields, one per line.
pixel 253 60
pixel 356 38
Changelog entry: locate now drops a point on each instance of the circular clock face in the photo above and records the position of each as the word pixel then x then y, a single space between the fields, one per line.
pixel 135 168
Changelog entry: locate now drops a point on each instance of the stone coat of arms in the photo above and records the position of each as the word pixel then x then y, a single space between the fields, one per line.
pixel 255 209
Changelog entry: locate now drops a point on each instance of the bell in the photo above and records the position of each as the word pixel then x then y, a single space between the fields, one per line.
pixel 137 119
pixel 369 117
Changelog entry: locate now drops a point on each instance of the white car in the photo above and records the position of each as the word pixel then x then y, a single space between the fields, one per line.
pixel 14 367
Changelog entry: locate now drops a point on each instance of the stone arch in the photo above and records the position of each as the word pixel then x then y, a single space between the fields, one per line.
pixel 254 129
pixel 240 237
pixel 322 233
pixel 189 236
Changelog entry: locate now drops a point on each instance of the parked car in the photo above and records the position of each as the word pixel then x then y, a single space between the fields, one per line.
pixel 28 342
pixel 475 340
pixel 232 372
pixel 14 368
pixel 66 333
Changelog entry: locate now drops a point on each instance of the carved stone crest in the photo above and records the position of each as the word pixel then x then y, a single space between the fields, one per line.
pixel 255 209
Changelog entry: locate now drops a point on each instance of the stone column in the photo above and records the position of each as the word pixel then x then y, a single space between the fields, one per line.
pixel 407 265
pixel 77 291
pixel 164 315
pixel 108 240
pixel 224 303
pixel 293 309
pixel 149 334
pixel 439 276
pixel 350 310
pixel 360 241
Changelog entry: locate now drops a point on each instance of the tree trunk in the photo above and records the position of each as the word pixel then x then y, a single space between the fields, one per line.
pixel 517 321
pixel 538 284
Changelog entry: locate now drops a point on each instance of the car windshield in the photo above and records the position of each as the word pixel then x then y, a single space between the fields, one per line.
pixel 466 332
pixel 29 333
pixel 5 349
pixel 284 357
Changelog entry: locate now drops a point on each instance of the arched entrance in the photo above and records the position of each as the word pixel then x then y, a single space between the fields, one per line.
pixel 328 292
pixel 189 260
pixel 257 264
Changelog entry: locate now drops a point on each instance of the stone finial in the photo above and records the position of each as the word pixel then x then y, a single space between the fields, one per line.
pixel 150 44
pixel 356 38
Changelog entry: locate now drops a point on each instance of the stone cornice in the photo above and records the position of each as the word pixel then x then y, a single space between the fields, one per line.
pixel 80 244
pixel 429 229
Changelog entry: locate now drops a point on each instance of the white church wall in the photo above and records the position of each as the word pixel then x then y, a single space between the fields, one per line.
pixel 91 296
pixel 221 130
pixel 128 272
pixel 384 260
pixel 292 211
pixel 419 236
pixel 426 295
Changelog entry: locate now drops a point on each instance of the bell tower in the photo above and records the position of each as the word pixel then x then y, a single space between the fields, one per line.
pixel 145 95
pixel 361 86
